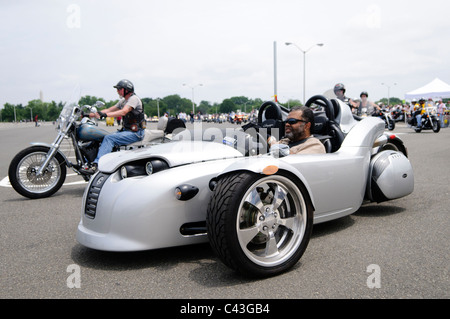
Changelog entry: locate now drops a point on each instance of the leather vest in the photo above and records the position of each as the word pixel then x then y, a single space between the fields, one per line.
pixel 134 120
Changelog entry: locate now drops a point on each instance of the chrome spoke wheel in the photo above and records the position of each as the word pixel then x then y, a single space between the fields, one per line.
pixel 23 172
pixel 27 173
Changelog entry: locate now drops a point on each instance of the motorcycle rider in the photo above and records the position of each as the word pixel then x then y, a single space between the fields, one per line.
pixel 441 111
pixel 365 103
pixel 131 110
pixel 339 90
pixel 419 109
pixel 412 107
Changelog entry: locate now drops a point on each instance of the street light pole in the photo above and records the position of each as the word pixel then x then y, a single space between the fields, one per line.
pixel 157 106
pixel 304 64
pixel 192 87
pixel 275 71
pixel 389 92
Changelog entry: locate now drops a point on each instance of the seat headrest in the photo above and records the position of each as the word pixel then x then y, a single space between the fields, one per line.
pixel 174 124
pixel 336 108
pixel 271 113
pixel 321 124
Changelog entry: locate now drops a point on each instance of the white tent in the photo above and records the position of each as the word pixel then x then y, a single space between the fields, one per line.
pixel 435 89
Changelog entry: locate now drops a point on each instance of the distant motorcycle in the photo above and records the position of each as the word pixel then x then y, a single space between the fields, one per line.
pixel 429 121
pixel 398 116
pixel 388 120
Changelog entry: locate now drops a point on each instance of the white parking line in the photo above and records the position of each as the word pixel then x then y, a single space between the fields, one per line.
pixel 75 183
pixel 5 182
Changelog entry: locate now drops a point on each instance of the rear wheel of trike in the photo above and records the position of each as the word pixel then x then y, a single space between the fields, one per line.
pixel 24 166
pixel 259 225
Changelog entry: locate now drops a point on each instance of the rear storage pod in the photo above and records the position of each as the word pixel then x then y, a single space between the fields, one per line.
pixel 390 176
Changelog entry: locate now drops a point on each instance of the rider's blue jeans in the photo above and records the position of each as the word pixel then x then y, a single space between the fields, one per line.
pixel 419 120
pixel 118 139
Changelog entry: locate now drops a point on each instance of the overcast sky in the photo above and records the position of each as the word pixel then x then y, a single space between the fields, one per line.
pixel 228 46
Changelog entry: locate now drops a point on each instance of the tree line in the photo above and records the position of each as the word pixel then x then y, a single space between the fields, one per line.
pixel 172 104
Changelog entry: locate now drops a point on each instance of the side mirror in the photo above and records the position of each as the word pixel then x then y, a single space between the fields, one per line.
pixel 91 109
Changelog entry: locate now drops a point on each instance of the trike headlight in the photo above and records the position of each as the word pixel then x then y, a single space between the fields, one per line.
pixel 142 168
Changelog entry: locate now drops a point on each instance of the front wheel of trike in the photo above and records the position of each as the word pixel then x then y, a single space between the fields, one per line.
pixel 259 225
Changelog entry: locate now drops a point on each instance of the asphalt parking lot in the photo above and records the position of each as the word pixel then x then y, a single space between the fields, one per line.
pixel 397 249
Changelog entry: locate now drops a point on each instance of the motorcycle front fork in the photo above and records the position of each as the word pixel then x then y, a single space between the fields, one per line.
pixel 53 150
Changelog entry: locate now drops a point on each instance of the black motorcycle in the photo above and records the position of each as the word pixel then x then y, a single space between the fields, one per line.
pixel 398 115
pixel 429 121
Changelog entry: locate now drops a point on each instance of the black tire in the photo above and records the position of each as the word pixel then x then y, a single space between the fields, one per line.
pixel 22 173
pixel 436 126
pixel 389 147
pixel 394 145
pixel 258 239
pixel 391 125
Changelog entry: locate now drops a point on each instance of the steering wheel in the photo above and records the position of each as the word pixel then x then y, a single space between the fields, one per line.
pixel 324 102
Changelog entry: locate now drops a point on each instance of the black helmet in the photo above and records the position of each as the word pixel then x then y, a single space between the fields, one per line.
pixel 339 87
pixel 364 93
pixel 125 84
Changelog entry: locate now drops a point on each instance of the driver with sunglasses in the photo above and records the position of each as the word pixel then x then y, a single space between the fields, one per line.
pixel 298 133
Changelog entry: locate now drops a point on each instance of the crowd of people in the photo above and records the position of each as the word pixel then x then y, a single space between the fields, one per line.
pixel 405 111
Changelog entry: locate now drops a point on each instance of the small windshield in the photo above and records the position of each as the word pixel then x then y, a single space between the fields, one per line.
pixel 67 110
pixel 73 100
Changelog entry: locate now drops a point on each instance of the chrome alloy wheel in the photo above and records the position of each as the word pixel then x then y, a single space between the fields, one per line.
pixel 271 221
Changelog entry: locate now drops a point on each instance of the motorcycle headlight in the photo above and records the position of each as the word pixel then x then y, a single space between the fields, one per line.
pixel 142 168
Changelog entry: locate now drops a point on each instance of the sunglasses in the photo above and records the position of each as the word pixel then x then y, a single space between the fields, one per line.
pixel 294 121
